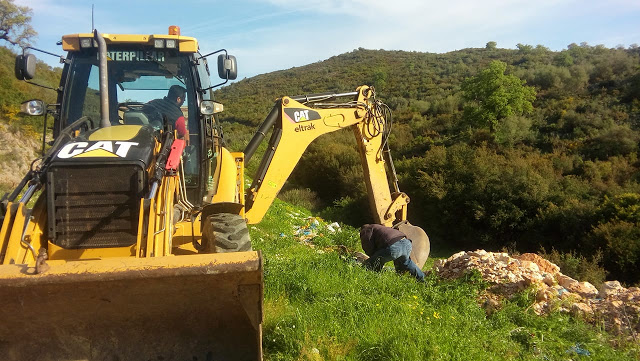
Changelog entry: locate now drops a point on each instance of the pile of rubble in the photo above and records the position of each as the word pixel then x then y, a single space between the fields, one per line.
pixel 615 307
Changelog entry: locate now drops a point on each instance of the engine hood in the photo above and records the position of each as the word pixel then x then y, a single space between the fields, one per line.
pixel 115 144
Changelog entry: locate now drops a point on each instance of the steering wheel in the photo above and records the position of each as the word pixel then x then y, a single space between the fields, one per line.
pixel 133 111
pixel 126 106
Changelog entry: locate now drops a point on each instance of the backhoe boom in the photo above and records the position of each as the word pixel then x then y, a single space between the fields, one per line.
pixel 297 121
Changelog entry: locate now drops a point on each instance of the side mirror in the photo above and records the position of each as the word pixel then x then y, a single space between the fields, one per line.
pixel 33 107
pixel 25 67
pixel 227 67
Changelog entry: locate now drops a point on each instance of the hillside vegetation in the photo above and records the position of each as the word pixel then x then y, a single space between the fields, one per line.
pixel 21 136
pixel 526 149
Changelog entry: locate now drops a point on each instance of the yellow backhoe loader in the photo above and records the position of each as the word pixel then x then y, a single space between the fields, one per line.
pixel 128 239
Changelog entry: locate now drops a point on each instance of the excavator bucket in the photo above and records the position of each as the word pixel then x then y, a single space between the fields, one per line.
pixel 191 307
pixel 419 242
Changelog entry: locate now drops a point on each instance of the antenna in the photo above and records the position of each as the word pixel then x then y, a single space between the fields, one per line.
pixel 92 26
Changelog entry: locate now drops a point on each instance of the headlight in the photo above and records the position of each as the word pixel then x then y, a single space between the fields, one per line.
pixel 171 43
pixel 208 107
pixel 158 43
pixel 32 107
pixel 86 43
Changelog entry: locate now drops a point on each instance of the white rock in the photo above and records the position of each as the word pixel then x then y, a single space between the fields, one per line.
pixel 586 290
pixel 581 309
pixel 548 279
pixel 478 253
pixel 566 281
pixel 530 266
pixel 610 288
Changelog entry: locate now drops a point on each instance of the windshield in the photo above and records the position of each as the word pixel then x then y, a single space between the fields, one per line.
pixel 135 77
pixel 146 87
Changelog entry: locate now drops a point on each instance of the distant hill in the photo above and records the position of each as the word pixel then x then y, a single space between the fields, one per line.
pixel 431 77
pixel 565 176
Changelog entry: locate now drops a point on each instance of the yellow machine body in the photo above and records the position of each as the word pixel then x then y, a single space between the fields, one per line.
pixel 166 294
pixel 157 299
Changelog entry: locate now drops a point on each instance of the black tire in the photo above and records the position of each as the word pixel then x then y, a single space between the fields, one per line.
pixel 226 232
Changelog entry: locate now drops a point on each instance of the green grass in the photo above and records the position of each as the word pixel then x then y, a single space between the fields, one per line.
pixel 321 305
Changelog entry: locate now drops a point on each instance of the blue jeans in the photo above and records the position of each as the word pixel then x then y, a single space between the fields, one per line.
pixel 399 253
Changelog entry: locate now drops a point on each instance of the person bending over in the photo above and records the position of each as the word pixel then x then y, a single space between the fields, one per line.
pixel 383 244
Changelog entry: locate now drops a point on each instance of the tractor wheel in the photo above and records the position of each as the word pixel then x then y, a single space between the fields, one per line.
pixel 226 232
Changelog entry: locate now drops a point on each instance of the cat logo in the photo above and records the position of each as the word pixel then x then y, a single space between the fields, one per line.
pixel 298 115
pixel 301 115
pixel 103 148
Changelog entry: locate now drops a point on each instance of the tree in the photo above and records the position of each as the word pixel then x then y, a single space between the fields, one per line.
pixel 493 96
pixel 524 48
pixel 491 45
pixel 15 26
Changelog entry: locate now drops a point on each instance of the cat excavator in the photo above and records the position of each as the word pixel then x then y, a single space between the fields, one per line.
pixel 128 238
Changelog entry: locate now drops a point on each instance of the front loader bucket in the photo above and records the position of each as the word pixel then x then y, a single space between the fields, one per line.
pixel 191 307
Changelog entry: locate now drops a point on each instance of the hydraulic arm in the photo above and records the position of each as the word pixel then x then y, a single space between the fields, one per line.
pixel 297 121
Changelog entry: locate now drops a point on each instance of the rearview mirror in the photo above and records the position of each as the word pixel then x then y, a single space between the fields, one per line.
pixel 25 67
pixel 227 67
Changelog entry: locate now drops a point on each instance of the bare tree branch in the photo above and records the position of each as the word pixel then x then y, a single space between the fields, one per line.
pixel 15 27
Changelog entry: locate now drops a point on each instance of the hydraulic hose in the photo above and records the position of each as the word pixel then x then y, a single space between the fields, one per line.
pixel 262 131
pixel 161 161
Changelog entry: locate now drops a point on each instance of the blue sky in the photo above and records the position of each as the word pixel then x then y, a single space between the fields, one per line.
pixel 269 35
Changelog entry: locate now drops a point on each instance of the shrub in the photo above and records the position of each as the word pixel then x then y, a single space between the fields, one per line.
pixel 619 140
pixel 302 197
pixel 577 266
pixel 620 244
pixel 348 210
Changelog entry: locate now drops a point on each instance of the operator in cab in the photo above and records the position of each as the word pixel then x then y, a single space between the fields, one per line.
pixel 169 106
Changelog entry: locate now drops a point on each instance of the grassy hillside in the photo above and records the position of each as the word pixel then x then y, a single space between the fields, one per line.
pixel 561 175
pixel 320 305
pixel 20 136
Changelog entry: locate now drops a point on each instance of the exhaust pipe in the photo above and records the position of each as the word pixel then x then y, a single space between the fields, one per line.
pixel 104 78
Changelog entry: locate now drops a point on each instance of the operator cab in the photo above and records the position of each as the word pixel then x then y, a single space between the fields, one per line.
pixel 158 82
pixel 137 77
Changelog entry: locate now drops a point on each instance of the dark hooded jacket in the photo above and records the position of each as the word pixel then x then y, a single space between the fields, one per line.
pixel 375 236
pixel 159 107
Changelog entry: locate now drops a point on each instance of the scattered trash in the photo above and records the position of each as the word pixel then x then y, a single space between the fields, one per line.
pixel 308 231
pixel 360 257
pixel 561 291
pixel 578 350
pixel 334 227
